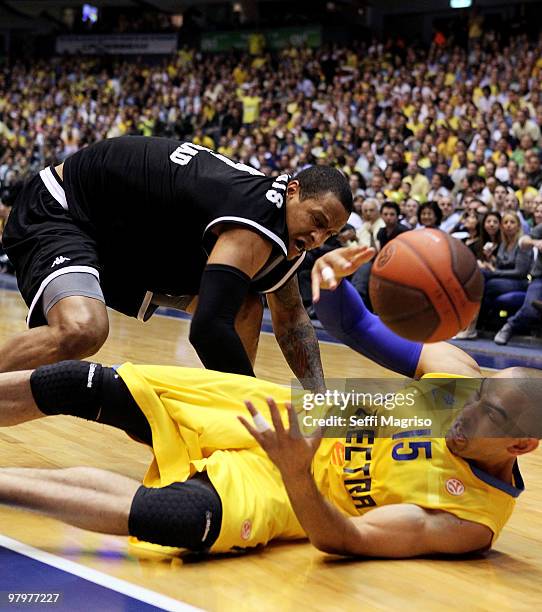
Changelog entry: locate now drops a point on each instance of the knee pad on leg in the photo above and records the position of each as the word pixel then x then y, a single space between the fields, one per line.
pixel 183 514
pixel 68 387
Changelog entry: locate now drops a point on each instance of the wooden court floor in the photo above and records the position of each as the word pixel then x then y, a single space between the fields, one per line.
pixel 283 576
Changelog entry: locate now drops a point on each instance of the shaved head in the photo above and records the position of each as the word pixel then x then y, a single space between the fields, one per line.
pixel 527 414
pixel 501 420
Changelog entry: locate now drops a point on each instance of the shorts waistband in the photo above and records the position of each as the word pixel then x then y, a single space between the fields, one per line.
pixel 52 182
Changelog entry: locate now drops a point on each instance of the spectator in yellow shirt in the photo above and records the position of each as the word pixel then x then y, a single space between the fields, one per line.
pixel 256 43
pixel 420 183
pixel 251 107
pixel 524 188
pixel 239 74
pixel 202 139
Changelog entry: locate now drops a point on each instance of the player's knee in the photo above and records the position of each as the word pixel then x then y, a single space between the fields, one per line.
pixel 69 387
pixel 183 514
pixel 81 335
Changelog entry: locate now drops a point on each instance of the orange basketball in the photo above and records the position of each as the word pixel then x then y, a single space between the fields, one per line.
pixel 426 285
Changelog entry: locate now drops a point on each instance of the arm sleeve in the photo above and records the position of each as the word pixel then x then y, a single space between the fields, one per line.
pixel 345 316
pixel 212 333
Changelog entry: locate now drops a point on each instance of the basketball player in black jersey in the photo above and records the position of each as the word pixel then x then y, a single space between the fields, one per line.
pixel 136 222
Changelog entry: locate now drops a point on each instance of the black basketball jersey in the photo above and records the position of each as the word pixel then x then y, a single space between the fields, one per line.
pixel 152 204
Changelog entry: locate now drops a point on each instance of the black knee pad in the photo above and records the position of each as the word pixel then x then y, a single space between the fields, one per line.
pixel 89 391
pixel 183 514
pixel 68 387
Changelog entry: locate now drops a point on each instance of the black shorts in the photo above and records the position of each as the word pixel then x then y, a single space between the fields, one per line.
pixel 43 242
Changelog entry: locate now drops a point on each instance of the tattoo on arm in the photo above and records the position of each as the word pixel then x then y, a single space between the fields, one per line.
pixel 300 348
pixel 296 336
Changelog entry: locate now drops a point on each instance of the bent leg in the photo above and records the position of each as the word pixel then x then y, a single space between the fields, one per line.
pixel 76 388
pixel 89 391
pixel 77 328
pixel 17 403
pixel 83 477
pixel 183 514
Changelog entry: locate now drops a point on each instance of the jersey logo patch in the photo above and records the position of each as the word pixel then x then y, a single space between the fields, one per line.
pixel 59 260
pixel 455 486
pixel 337 454
pixel 246 530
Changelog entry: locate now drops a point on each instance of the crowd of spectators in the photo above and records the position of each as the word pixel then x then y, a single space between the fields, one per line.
pixel 442 137
pixel 509 259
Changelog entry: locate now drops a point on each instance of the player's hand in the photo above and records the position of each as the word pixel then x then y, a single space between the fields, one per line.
pixel 287 448
pixel 335 265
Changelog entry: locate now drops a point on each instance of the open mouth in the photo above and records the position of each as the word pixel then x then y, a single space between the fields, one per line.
pixel 299 245
pixel 457 434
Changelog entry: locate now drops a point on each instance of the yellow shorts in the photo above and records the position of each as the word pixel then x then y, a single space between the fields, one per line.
pixel 193 418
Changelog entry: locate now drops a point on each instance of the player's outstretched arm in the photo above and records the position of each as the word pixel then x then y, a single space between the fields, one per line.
pixel 395 531
pixel 296 336
pixel 406 530
pixel 331 268
pixel 345 316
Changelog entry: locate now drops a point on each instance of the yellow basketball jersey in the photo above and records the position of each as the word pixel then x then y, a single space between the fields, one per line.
pixel 193 418
pixel 414 466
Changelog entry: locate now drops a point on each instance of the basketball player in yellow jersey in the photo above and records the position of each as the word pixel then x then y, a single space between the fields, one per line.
pixel 219 481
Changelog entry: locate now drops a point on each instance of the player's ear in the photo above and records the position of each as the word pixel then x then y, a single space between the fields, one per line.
pixel 292 188
pixel 522 446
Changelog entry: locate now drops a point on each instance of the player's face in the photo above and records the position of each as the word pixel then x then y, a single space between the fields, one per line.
pixel 484 430
pixel 311 221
